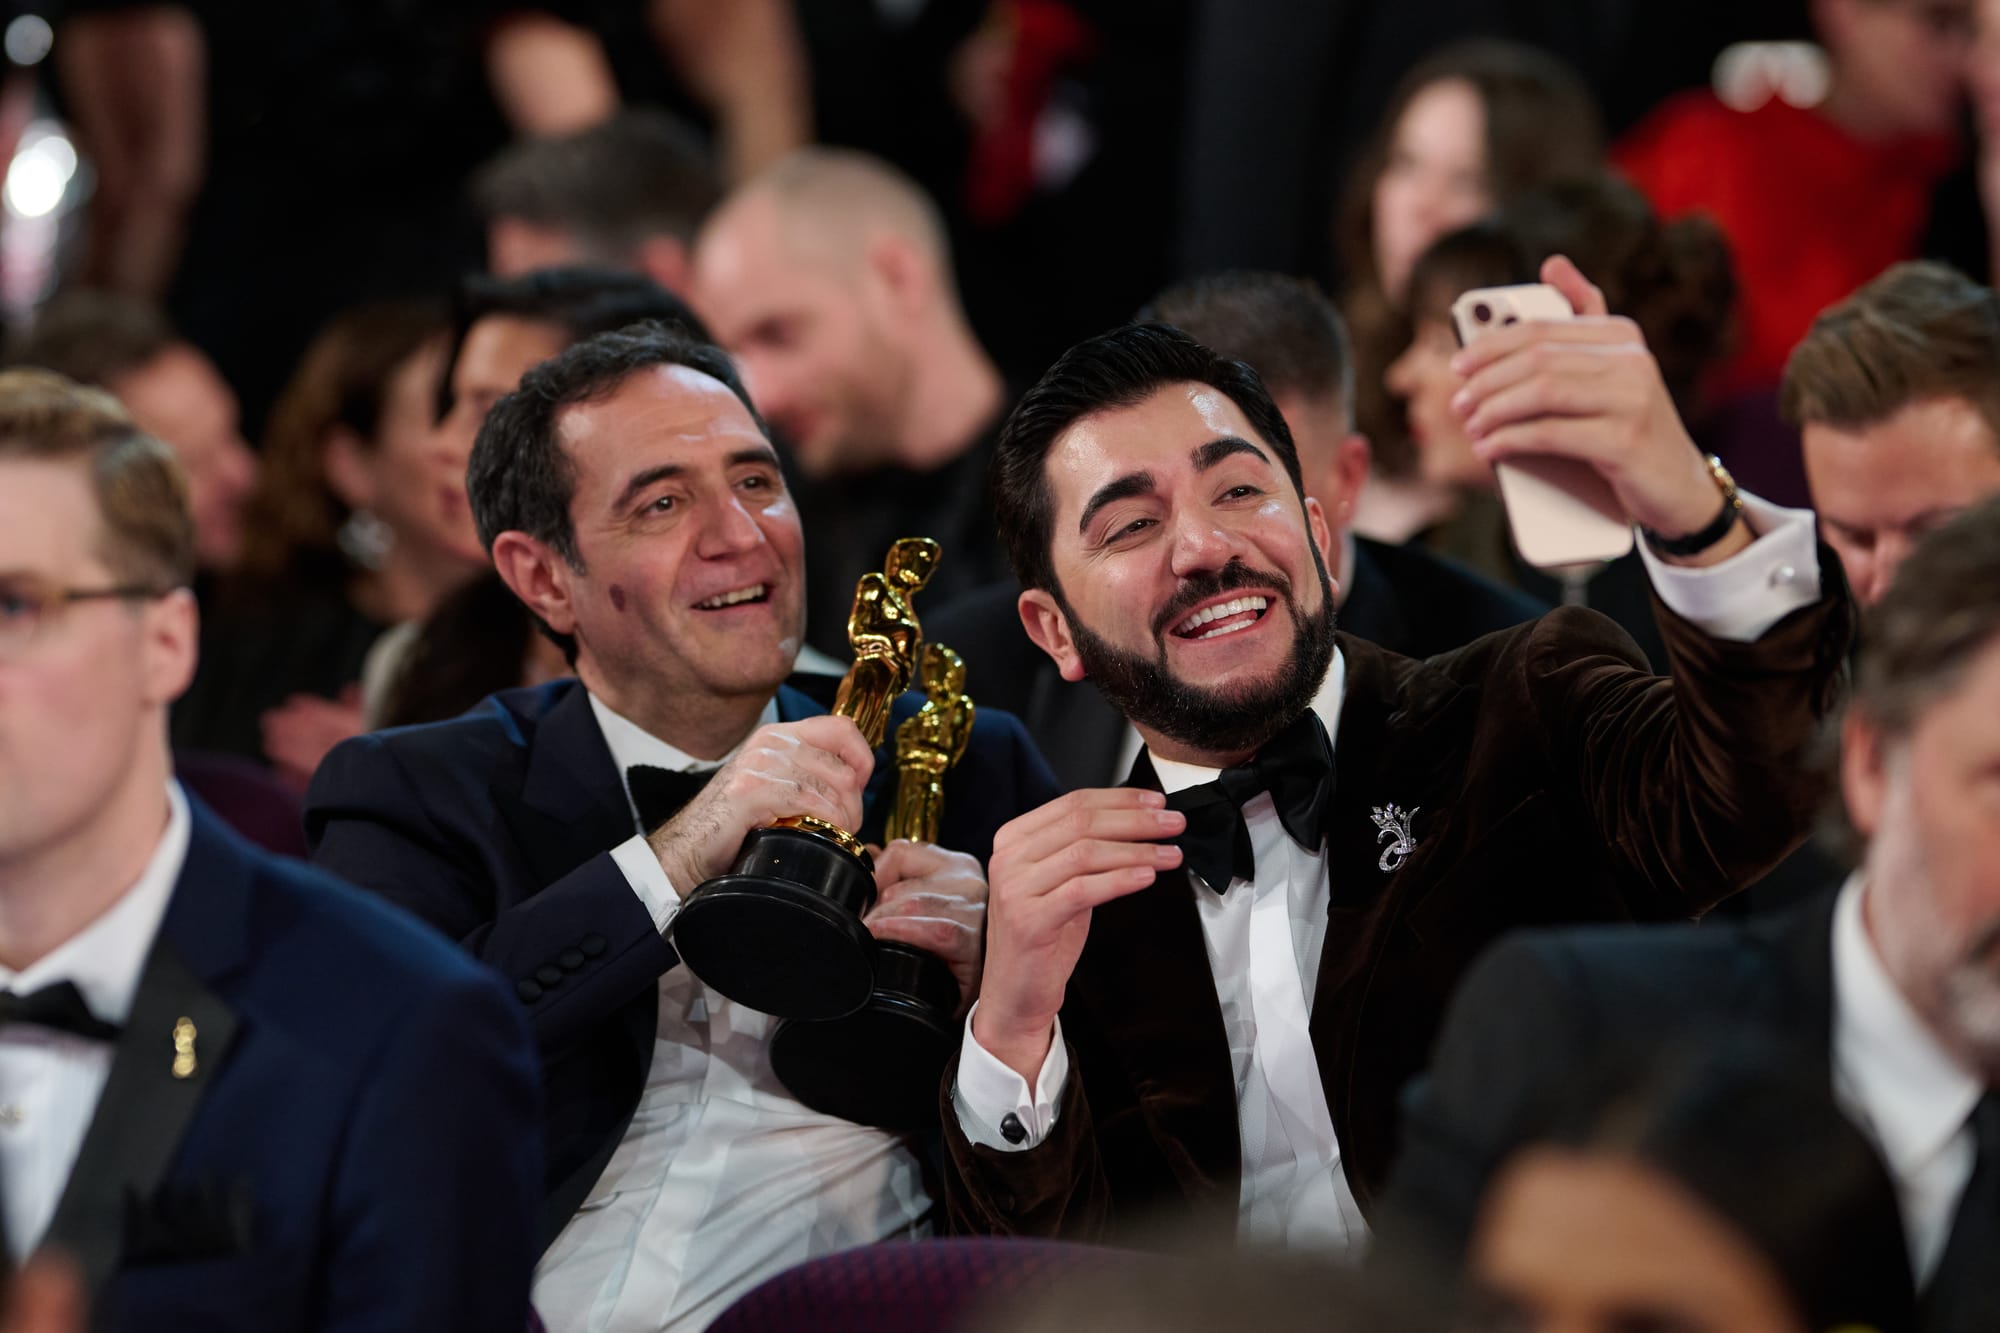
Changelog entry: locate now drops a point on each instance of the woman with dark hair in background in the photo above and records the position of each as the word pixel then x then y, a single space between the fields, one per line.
pixel 1467 130
pixel 360 523
pixel 1723 1193
pixel 1673 281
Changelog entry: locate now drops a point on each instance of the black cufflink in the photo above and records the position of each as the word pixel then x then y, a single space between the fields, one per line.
pixel 1012 1130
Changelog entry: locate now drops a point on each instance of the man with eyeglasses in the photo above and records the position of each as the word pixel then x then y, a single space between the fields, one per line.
pixel 235 1092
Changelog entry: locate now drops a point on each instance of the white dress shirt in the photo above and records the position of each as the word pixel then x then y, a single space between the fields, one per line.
pixel 1893 1079
pixel 722 1178
pixel 50 1081
pixel 1264 938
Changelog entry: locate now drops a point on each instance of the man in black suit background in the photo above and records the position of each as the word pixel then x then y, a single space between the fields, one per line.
pixel 235 1092
pixel 1399 597
pixel 1890 986
pixel 632 500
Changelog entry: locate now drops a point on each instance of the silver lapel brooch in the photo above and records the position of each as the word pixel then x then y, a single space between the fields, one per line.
pixel 1392 826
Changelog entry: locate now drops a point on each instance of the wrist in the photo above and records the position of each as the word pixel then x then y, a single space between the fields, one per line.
pixel 1705 526
pixel 1020 1044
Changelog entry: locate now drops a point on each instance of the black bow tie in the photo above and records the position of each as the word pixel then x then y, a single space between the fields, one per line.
pixel 1295 766
pixel 59 1006
pixel 661 792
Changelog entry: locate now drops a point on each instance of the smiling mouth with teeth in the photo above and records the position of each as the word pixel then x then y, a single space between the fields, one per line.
pixel 756 592
pixel 1213 622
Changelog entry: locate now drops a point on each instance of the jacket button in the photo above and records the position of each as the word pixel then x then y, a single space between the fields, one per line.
pixel 1012 1130
pixel 548 975
pixel 528 989
pixel 570 958
pixel 592 945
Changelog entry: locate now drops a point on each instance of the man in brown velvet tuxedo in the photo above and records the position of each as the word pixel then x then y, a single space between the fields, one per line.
pixel 1203 990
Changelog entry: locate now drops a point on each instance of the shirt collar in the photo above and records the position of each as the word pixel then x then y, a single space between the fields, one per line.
pixel 632 744
pixel 1915 1095
pixel 105 958
pixel 1332 689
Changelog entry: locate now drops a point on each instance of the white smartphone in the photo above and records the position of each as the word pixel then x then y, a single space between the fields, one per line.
pixel 1561 512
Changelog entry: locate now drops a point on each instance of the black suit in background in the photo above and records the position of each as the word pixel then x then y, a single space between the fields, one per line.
pixel 497 829
pixel 1401 598
pixel 1546 1010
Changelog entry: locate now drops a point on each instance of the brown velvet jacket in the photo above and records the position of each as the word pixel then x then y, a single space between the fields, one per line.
pixel 1554 780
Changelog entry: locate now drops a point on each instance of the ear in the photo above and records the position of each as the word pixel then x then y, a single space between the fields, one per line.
pixel 1351 460
pixel 1326 539
pixel 538 576
pixel 1049 628
pixel 1864 771
pixel 901 272
pixel 664 259
pixel 172 627
pixel 350 468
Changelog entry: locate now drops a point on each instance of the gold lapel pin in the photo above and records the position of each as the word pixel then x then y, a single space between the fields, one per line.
pixel 184 1035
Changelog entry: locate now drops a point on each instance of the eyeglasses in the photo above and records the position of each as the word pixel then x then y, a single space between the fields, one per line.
pixel 28 603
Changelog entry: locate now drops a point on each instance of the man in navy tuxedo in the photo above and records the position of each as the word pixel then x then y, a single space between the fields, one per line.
pixel 633 501
pixel 236 1093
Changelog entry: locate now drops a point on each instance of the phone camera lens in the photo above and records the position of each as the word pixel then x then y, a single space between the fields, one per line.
pixel 1511 319
pixel 1483 313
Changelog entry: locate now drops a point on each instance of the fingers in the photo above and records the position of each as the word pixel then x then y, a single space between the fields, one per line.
pixel 835 735
pixel 953 941
pixel 1584 296
pixel 1468 361
pixel 1120 813
pixel 903 860
pixel 1566 437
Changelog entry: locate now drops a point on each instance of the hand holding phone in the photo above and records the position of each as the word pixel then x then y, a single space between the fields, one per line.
pixel 1583 391
pixel 1560 510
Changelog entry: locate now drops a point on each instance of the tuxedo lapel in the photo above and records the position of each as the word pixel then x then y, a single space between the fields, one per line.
pixel 1394 746
pixel 151 1095
pixel 1144 979
pixel 571 803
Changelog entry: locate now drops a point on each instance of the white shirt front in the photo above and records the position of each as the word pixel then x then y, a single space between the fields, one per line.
pixel 1893 1079
pixel 1264 945
pixel 722 1179
pixel 50 1081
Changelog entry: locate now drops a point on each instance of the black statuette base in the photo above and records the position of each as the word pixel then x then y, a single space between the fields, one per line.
pixel 883 1064
pixel 782 933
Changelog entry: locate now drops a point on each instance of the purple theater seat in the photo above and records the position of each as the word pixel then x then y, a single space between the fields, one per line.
pixel 924 1286
pixel 247 797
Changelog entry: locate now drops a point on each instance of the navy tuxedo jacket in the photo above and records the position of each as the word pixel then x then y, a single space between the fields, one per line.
pixel 353 1143
pixel 497 827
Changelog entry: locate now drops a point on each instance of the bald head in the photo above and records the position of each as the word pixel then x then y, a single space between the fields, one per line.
pixel 829 278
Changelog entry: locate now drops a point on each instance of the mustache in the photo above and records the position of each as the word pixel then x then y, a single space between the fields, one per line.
pixel 1203 584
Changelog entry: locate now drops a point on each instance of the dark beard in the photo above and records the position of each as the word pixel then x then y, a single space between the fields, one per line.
pixel 1212 721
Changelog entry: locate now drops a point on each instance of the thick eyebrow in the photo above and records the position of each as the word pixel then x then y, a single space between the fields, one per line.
pixel 1227 446
pixel 763 453
pixel 641 480
pixel 1120 488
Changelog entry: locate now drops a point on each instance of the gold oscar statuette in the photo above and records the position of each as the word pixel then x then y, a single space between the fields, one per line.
pixel 928 744
pixel 782 931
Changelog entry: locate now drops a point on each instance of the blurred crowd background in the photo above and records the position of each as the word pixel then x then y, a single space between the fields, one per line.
pixel 264 229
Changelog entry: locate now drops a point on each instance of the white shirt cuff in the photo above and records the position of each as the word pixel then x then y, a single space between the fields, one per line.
pixel 634 857
pixel 986 1092
pixel 1752 590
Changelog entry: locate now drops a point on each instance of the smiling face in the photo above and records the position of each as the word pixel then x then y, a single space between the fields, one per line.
pixel 692 564
pixel 1189 580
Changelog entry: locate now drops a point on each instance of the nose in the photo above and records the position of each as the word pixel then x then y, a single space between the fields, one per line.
pixel 1890 549
pixel 1199 544
pixel 727 529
